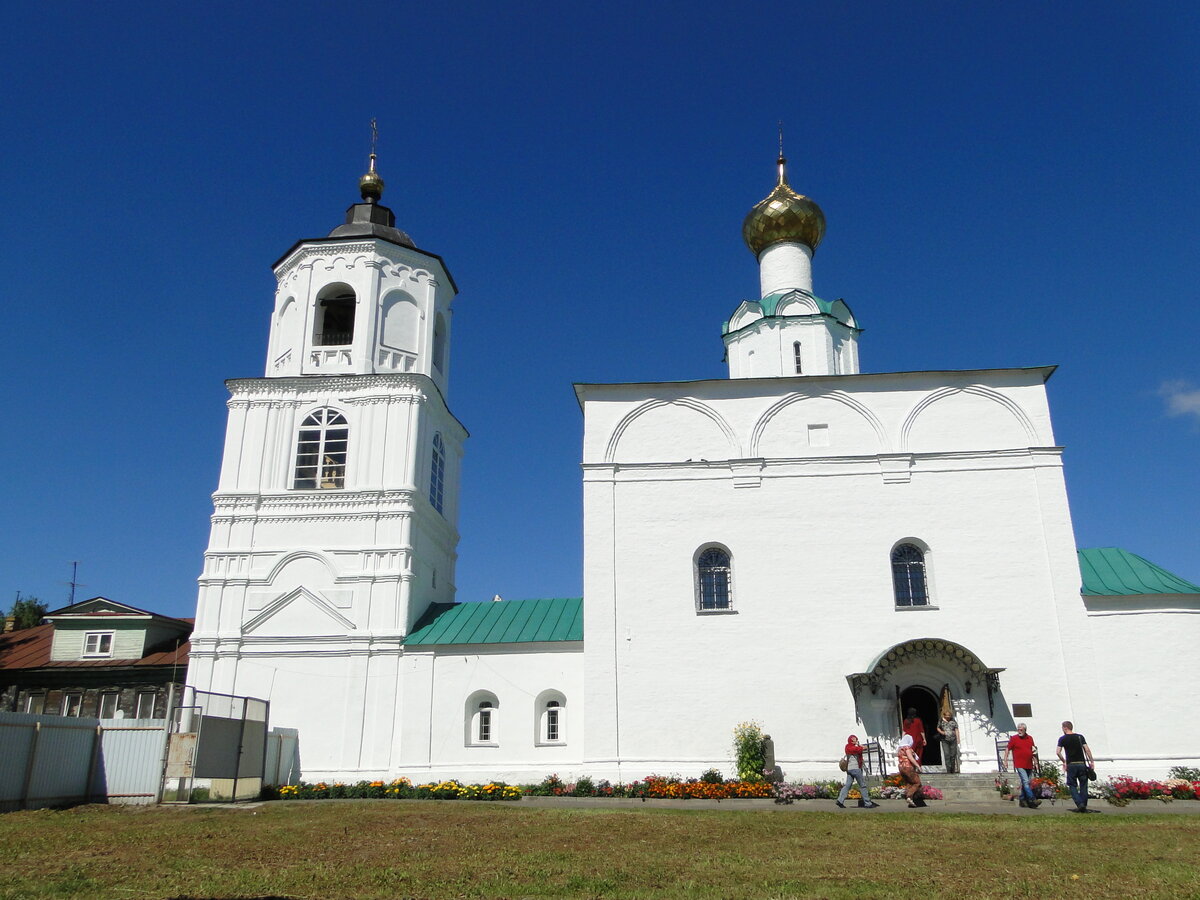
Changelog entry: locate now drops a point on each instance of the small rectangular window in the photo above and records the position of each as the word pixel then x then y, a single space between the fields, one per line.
pixel 798 359
pixel 552 724
pixel 145 705
pixel 35 703
pixel 108 705
pixel 1022 710
pixel 485 725
pixel 98 643
pixel 72 704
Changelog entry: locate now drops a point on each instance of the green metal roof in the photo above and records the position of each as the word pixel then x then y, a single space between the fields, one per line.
pixel 500 622
pixel 1113 572
pixel 770 304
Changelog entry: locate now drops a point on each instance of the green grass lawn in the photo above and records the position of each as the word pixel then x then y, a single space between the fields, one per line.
pixel 400 849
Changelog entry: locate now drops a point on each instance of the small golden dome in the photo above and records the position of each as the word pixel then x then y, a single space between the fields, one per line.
pixel 371 185
pixel 783 215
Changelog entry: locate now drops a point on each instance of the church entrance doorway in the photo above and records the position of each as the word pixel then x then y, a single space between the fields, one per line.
pixel 925 702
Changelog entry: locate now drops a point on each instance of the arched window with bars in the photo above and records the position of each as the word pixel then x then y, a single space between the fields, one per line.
pixel 908 576
pixel 714 580
pixel 437 474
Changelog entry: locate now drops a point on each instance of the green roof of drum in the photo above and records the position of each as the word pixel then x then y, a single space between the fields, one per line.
pixel 1113 572
pixel 500 622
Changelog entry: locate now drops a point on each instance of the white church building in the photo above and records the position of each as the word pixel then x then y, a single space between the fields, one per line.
pixel 802 544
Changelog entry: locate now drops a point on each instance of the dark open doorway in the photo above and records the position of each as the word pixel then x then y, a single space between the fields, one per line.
pixel 925 702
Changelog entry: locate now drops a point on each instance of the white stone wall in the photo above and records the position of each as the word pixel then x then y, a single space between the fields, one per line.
pixel 810 486
pixel 441 690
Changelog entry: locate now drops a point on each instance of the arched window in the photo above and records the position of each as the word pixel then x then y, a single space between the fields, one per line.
pixel 908 576
pixel 553 721
pixel 550 718
pixel 437 474
pixel 439 343
pixel 484 723
pixel 796 357
pixel 321 451
pixel 333 324
pixel 713 580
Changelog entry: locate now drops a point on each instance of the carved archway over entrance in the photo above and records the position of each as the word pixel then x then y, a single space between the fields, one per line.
pixel 930 668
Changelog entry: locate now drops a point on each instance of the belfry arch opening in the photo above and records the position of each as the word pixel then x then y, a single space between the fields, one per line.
pixel 333 325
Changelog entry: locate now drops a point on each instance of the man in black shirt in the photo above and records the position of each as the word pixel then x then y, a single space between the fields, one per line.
pixel 1076 756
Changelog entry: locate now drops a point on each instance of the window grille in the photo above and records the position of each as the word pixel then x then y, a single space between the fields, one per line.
pixel 713 576
pixel 552 721
pixel 908 576
pixel 321 451
pixel 796 357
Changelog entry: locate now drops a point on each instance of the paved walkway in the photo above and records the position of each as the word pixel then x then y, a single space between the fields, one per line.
pixel 978 807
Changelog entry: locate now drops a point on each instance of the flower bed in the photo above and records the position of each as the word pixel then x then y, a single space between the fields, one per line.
pixel 656 787
pixel 892 788
pixel 1121 789
pixel 400 789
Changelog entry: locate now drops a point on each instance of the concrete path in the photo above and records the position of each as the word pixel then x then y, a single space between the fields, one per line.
pixel 978 807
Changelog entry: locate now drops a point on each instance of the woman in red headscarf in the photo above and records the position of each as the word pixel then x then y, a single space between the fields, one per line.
pixel 915 727
pixel 854 772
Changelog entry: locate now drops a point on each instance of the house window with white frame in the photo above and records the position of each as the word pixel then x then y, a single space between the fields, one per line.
pixel 909 577
pixel 145 705
pixel 109 702
pixel 714 577
pixel 72 704
pixel 98 643
pixel 321 448
pixel 35 703
pixel 553 722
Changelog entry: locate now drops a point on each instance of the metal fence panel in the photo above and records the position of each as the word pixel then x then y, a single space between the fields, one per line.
pixel 16 743
pixel 130 765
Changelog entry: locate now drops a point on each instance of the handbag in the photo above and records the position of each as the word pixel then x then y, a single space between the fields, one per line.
pixel 844 764
pixel 1091 774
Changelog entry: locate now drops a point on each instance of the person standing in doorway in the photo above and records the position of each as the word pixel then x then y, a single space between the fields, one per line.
pixel 1076 755
pixel 1021 749
pixel 854 772
pixel 915 728
pixel 948 731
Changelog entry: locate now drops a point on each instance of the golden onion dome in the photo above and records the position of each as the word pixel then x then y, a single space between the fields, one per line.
pixel 371 185
pixel 783 215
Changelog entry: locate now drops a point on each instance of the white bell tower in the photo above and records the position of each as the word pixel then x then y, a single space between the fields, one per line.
pixel 788 330
pixel 334 522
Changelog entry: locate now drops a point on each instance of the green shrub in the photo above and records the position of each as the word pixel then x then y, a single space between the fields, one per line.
pixel 1187 773
pixel 712 776
pixel 748 751
pixel 584 787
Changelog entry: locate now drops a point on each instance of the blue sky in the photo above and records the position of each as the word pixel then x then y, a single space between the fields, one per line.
pixel 1005 185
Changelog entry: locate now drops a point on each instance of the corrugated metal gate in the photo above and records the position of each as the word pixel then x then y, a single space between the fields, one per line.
pixel 57 760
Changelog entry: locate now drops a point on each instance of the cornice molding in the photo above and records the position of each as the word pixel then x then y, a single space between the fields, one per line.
pixel 296 388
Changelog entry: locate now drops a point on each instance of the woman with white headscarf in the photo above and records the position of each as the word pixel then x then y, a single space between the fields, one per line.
pixel 910 771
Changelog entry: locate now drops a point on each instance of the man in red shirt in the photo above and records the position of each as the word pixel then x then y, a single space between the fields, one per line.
pixel 1021 749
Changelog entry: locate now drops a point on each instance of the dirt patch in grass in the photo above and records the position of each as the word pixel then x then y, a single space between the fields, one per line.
pixel 446 849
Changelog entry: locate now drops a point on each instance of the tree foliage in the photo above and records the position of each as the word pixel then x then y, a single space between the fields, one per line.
pixel 27 612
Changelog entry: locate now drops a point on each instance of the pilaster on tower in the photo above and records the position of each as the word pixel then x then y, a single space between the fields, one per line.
pixel 788 330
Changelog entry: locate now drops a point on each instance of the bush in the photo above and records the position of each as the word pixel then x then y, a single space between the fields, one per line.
pixel 712 776
pixel 584 787
pixel 748 751
pixel 1185 773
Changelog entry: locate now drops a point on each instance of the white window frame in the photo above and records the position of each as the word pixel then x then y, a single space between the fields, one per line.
pixel 99 651
pixel 482 720
pixel 698 578
pixel 38 700
pixel 110 703
pixel 322 451
pixel 437 474
pixel 550 719
pixel 140 707
pixel 68 697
